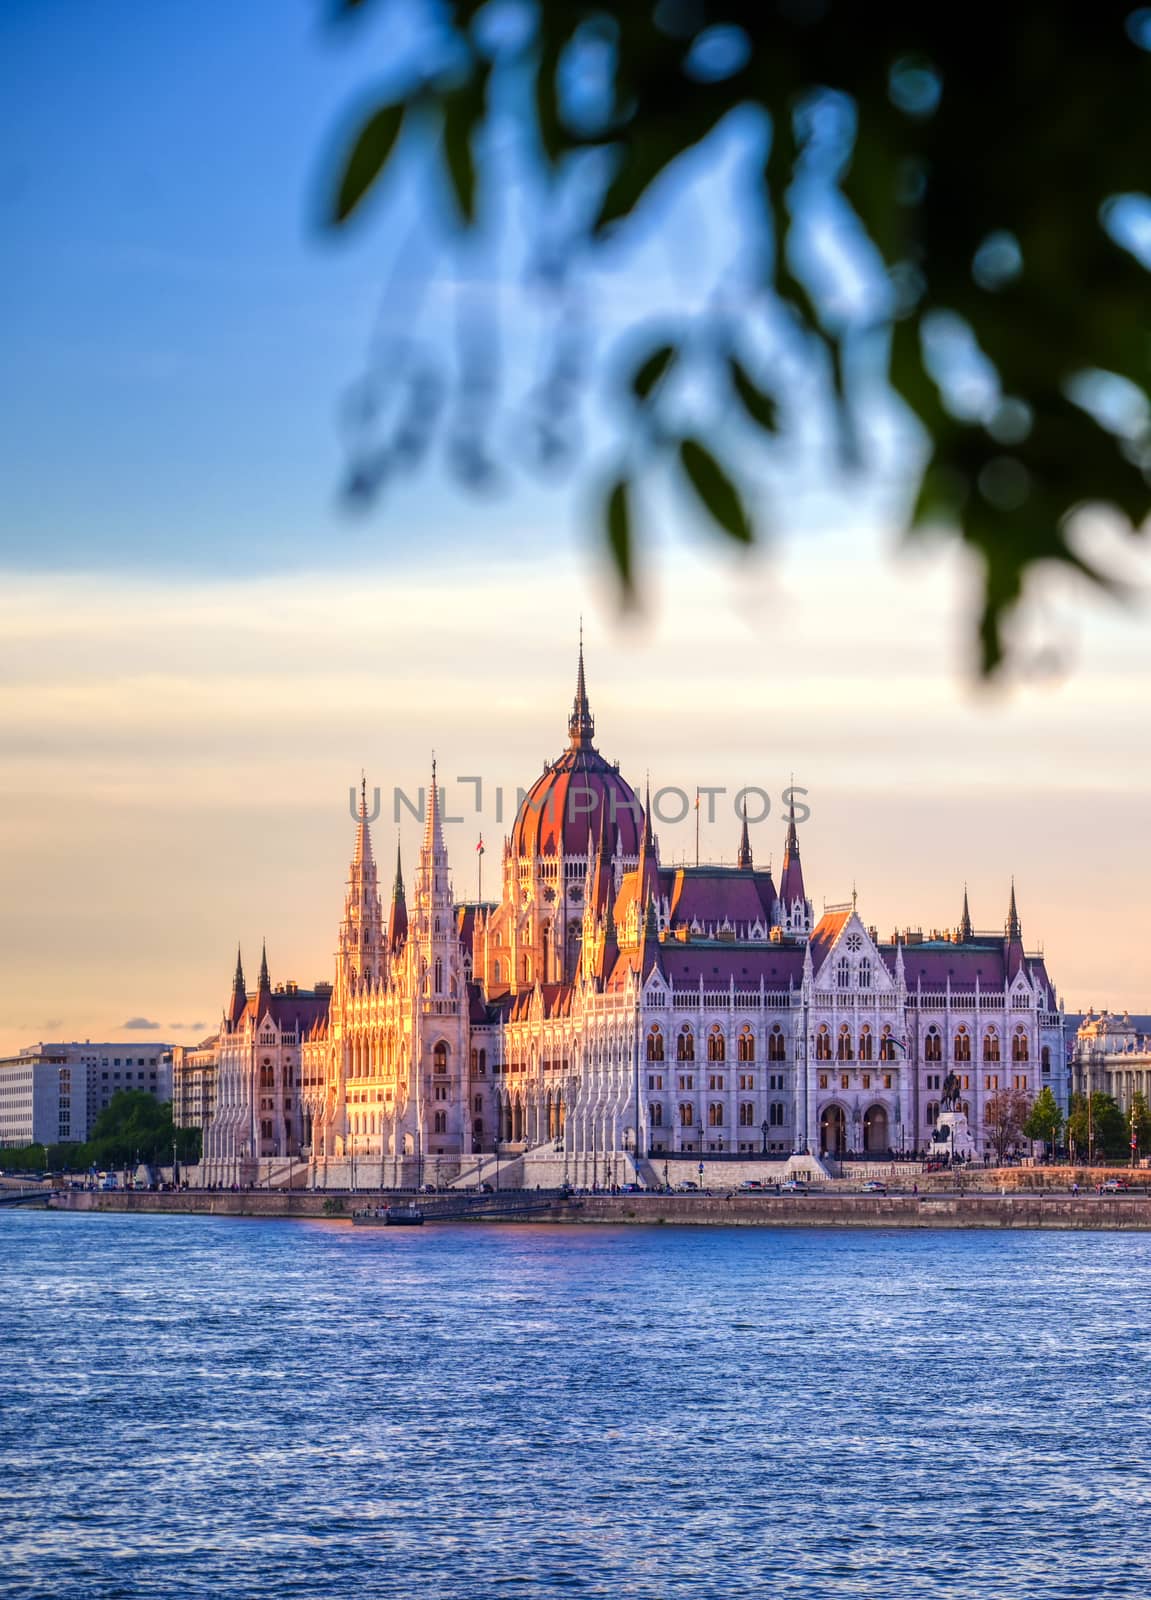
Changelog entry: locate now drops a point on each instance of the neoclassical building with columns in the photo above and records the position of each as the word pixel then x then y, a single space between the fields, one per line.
pixel 610 1012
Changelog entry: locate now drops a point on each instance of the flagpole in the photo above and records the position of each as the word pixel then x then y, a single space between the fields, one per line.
pixel 697 824
pixel 480 871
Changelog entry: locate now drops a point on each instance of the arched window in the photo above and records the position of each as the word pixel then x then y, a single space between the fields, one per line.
pixel 932 1115
pixel 843 1050
pixel 962 1045
pixel 686 1114
pixel 775 1114
pixel 843 973
pixel 496 973
pixel 655 1114
pixel 685 1045
pixel 746 1045
pixel 440 1122
pixel 1045 1058
pixel 525 969
pixel 866 1043
pixel 715 1114
pixel 439 984
pixel 655 1045
pixel 886 1045
pixel 933 1045
pixel 865 973
pixel 716 1046
pixel 776 1045
pixel 991 1045
pixel 823 1045
pixel 478 1127
pixel 1019 1046
pixel 440 1056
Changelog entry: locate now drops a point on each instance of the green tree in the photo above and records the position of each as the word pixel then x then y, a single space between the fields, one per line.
pixel 1045 1119
pixel 1098 1128
pixel 1007 310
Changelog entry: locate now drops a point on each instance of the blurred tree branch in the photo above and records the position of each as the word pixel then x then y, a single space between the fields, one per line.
pixel 995 157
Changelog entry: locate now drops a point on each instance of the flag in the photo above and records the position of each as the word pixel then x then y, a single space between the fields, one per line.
pixel 480 846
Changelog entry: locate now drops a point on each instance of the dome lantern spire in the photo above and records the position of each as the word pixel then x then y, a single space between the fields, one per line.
pixel 581 723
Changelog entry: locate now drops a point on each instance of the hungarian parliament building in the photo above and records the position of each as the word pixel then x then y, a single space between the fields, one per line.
pixel 609 1014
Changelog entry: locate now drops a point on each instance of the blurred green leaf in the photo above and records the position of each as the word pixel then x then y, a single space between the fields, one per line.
pixel 760 407
pixel 367 159
pixel 463 113
pixel 618 534
pixel 717 493
pixel 652 370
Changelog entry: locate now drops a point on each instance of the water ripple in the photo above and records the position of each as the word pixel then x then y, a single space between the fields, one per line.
pixel 216 1407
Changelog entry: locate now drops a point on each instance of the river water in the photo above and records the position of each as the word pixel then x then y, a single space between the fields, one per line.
pixel 200 1406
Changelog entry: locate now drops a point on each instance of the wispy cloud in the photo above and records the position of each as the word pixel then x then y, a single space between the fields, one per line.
pixel 139 1025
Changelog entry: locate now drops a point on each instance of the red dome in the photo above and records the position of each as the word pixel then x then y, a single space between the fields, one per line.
pixel 565 808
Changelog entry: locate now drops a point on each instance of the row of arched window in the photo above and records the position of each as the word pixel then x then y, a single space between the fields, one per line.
pixel 843 1047
pixel 961 1045
pixel 715 1044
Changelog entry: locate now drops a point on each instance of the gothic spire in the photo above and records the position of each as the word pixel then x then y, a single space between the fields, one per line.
pixel 581 724
pixel 744 859
pixel 363 850
pixel 791 878
pixel 398 914
pixel 239 993
pixel 433 891
pixel 647 871
pixel 264 983
pixel 966 931
pixel 1013 928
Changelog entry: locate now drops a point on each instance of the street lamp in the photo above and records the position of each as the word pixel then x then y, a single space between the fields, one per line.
pixel 763 1128
pixel 701 1174
pixel 496 1147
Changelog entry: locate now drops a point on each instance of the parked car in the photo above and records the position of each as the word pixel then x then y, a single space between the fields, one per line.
pixel 686 1187
pixel 873 1186
pixel 794 1186
pixel 1113 1185
pixel 751 1183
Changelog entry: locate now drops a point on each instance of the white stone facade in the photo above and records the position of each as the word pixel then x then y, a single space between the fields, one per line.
pixel 608 1006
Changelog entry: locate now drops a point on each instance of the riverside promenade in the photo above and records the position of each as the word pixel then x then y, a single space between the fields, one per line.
pixel 1047 1208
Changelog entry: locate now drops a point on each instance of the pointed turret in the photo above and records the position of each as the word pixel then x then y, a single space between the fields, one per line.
pixel 239 992
pixel 264 984
pixel 1013 928
pixel 433 891
pixel 581 723
pixel 362 855
pixel 361 946
pixel 649 955
pixel 965 930
pixel 647 869
pixel 398 914
pixel 743 858
pixel 795 912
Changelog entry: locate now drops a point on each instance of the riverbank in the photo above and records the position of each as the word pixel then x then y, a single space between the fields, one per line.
pixel 1091 1212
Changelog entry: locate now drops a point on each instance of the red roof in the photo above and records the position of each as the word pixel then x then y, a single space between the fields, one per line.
pixel 562 811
